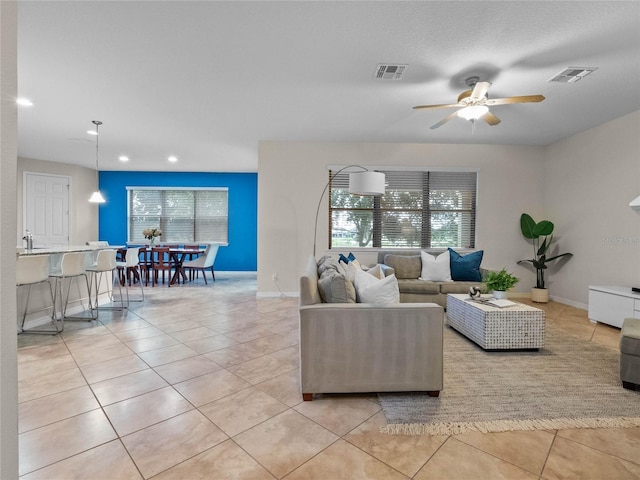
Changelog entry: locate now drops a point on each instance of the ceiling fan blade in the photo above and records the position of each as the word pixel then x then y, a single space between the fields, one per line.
pixel 446 105
pixel 480 90
pixel 445 120
pixel 509 100
pixel 491 119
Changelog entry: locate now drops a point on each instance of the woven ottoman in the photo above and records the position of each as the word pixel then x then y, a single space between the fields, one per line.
pixel 630 353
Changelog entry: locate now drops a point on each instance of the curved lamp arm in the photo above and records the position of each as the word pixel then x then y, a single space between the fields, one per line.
pixel 315 232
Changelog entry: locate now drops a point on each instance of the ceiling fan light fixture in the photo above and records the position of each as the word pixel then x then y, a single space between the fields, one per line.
pixel 473 112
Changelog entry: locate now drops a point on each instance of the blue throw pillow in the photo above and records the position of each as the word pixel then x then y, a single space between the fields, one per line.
pixel 348 259
pixel 466 268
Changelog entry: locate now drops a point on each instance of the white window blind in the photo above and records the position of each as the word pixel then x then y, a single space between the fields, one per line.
pixel 423 209
pixel 183 214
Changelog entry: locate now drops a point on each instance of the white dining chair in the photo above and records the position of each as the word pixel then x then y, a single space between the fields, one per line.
pixel 131 265
pixel 204 262
pixel 105 262
pixel 33 270
pixel 71 266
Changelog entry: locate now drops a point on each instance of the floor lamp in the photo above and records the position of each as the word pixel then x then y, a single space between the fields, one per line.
pixel 364 182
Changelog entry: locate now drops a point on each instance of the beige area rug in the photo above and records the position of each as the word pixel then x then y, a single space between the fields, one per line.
pixel 571 383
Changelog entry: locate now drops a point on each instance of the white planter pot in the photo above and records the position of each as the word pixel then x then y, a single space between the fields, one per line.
pixel 499 294
pixel 540 295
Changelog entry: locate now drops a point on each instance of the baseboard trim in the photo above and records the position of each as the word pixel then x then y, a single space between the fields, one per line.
pixel 571 303
pixel 277 294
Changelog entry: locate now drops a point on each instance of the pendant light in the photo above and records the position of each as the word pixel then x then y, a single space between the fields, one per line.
pixel 96 197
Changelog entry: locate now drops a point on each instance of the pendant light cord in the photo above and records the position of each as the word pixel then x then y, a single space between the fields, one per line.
pixel 97 123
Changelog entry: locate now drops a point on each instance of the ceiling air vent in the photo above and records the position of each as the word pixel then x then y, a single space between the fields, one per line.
pixel 389 72
pixel 572 74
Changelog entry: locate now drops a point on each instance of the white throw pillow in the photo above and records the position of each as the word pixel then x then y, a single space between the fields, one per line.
pixel 376 271
pixel 350 269
pixel 373 290
pixel 436 269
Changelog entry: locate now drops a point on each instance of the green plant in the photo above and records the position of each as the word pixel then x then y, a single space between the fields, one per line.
pixel 501 280
pixel 541 235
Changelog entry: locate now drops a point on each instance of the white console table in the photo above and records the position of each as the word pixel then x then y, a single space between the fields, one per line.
pixel 611 304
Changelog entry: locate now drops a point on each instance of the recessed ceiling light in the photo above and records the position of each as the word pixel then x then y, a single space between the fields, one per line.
pixel 92 132
pixel 172 159
pixel 24 102
pixel 123 158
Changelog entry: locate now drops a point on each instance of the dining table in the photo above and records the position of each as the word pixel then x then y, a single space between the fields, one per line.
pixel 178 256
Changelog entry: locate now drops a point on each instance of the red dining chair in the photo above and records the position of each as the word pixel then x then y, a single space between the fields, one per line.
pixel 161 261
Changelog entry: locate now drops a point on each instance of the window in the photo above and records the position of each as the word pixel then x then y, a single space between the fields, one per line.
pixel 422 209
pixel 183 215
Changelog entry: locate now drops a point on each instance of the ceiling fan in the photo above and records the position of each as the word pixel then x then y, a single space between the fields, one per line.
pixel 474 104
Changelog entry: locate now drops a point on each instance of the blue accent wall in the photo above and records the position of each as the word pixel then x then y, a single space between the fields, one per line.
pixel 242 251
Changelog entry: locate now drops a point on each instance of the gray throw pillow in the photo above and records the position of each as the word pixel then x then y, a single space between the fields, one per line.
pixel 336 288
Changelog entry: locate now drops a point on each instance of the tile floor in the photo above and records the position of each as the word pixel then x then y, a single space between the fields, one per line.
pixel 202 382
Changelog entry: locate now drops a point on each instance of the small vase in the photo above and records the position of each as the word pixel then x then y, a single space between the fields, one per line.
pixel 152 242
pixel 499 294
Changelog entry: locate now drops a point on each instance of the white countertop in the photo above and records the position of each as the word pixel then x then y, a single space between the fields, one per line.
pixel 50 251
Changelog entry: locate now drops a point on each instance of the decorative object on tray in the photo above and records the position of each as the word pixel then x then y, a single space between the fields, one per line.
pixel 500 282
pixel 492 301
pixel 151 234
pixel 541 235
pixel 475 292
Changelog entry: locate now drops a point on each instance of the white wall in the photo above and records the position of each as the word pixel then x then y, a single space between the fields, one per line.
pixel 291 177
pixel 589 180
pixel 83 216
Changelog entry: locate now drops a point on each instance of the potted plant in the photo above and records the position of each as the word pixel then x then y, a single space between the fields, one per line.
pixel 541 235
pixel 500 282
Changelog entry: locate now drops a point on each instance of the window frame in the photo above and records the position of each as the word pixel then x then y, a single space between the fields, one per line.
pixel 425 211
pixel 134 238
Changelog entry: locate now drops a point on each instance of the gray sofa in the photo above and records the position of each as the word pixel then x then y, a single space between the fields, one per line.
pixel 359 347
pixel 407 265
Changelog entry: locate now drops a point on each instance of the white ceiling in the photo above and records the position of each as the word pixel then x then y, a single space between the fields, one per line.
pixel 206 81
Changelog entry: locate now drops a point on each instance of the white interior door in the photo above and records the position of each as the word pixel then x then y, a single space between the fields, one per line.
pixel 46 213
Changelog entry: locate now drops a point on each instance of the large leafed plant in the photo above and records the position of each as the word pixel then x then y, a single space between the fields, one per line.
pixel 541 235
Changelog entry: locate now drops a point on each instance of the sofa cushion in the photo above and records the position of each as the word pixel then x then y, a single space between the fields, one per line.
pixel 336 288
pixel 405 266
pixel 435 268
pixel 418 286
pixel 466 267
pixel 459 287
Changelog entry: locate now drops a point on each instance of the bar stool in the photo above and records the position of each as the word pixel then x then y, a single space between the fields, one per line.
pixel 131 265
pixel 71 266
pixel 32 270
pixel 105 262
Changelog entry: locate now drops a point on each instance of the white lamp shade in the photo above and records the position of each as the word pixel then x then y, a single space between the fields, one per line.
pixel 96 197
pixel 473 112
pixel 366 183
